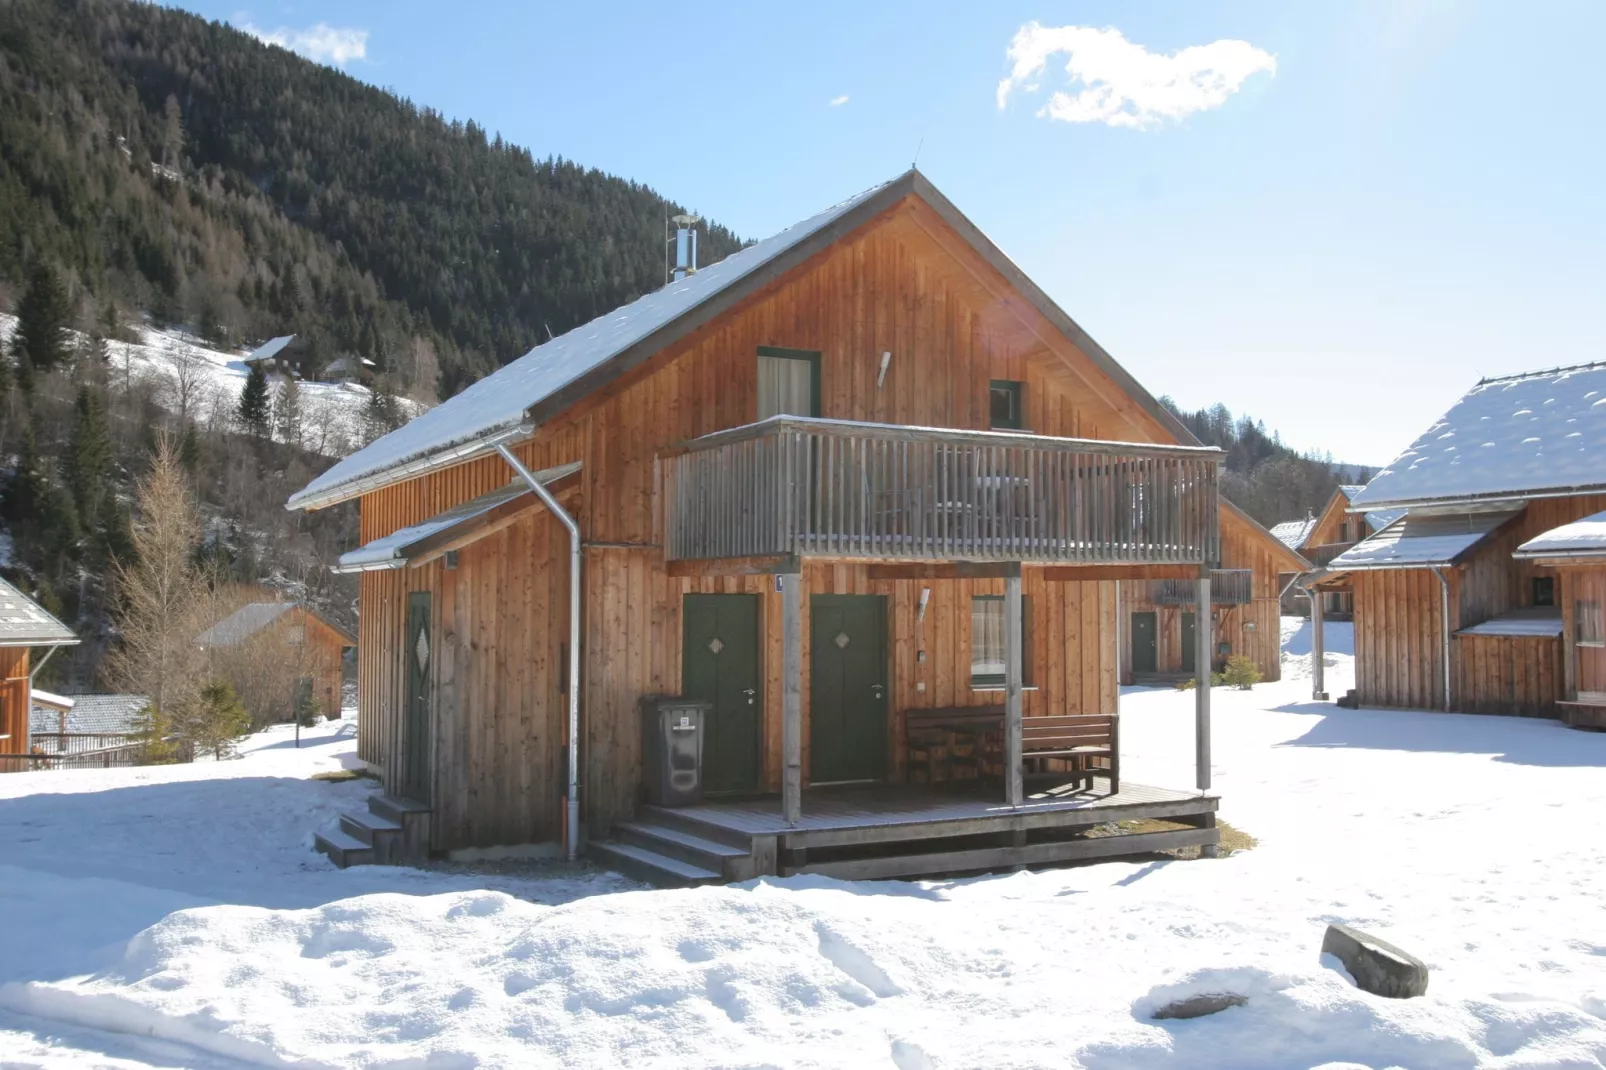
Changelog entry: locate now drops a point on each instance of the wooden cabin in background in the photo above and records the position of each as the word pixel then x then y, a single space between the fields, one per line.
pixel 1158 637
pixel 280 657
pixel 1446 616
pixel 862 487
pixel 1321 537
pixel 24 624
pixel 1576 552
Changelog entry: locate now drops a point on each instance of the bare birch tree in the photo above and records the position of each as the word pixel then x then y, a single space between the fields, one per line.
pixel 187 372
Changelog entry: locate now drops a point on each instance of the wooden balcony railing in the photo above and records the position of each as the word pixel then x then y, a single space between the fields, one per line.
pixel 790 485
pixel 1228 587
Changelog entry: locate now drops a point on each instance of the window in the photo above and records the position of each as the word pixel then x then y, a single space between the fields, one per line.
pixel 788 382
pixel 987 641
pixel 1544 590
pixel 1006 408
pixel 1588 626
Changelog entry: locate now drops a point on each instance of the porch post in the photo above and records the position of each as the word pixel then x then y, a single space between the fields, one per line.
pixel 791 696
pixel 1318 653
pixel 1013 639
pixel 1202 643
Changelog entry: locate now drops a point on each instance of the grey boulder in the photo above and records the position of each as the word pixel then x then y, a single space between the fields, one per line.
pixel 1201 1005
pixel 1376 965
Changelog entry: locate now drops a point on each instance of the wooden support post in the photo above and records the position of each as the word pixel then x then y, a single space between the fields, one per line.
pixel 1202 663
pixel 1014 789
pixel 1318 655
pixel 792 697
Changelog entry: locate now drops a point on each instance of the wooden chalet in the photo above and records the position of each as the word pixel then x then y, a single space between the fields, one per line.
pixel 1321 537
pixel 1448 615
pixel 1576 552
pixel 1158 636
pixel 862 487
pixel 280 656
pixel 24 624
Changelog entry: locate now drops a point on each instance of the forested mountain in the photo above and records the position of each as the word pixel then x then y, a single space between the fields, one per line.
pixel 1261 476
pixel 184 168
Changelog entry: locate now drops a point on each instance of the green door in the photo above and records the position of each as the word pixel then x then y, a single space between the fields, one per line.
pixel 847 688
pixel 1188 646
pixel 719 664
pixel 417 782
pixel 1143 649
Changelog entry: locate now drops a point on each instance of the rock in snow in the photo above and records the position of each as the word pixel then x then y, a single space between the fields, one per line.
pixel 1201 1005
pixel 1376 965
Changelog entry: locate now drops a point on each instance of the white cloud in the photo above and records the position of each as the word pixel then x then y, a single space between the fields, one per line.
pixel 1118 83
pixel 837 102
pixel 323 43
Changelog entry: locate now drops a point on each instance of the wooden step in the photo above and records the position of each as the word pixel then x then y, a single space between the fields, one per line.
pixel 411 817
pixel 721 858
pixel 344 850
pixel 649 866
pixel 705 830
pixel 392 808
pixel 382 834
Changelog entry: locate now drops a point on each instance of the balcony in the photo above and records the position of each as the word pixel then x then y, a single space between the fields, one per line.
pixel 1228 587
pixel 832 488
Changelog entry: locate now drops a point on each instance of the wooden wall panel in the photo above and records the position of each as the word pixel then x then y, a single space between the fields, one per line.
pixel 14 700
pixel 1511 675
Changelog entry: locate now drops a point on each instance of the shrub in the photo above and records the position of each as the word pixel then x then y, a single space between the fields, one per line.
pixel 1241 673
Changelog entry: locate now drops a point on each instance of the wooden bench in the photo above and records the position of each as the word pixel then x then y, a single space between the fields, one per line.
pixel 929 733
pixel 1077 741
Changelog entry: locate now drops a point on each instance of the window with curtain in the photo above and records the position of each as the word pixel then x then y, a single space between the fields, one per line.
pixel 788 382
pixel 987 640
pixel 1588 626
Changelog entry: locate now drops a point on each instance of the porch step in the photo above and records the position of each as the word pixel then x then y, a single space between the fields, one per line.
pixel 663 816
pixel 1159 679
pixel 343 849
pixel 721 858
pixel 650 866
pixel 382 834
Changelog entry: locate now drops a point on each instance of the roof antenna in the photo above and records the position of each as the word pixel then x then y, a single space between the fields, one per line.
pixel 913 164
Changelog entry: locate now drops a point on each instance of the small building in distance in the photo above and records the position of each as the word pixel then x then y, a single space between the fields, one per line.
pixel 279 656
pixel 1322 536
pixel 24 624
pixel 299 355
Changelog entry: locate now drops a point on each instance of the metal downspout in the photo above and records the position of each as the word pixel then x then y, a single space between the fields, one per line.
pixel 1444 620
pixel 575 551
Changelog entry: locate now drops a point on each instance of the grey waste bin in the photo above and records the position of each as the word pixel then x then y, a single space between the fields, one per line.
pixel 672 749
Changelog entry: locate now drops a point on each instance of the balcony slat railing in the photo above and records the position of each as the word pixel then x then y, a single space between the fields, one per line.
pixel 1228 587
pixel 833 488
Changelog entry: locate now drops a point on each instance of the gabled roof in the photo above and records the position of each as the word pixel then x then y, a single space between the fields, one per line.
pixel 250 619
pixel 1349 490
pixel 1423 539
pixel 1293 533
pixel 110 715
pixel 1286 554
pixel 24 622
pixel 509 403
pixel 1520 436
pixel 1581 538
pixel 270 348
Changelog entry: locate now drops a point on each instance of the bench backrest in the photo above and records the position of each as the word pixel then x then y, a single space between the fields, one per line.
pixel 1088 730
pixel 917 718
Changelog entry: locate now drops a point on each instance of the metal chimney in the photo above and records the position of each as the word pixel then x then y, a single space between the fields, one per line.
pixel 685 246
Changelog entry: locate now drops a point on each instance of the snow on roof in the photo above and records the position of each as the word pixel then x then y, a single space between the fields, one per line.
pixel 110 715
pixel 1293 533
pixel 498 402
pixel 1537 620
pixel 397 548
pixel 1581 537
pixel 24 622
pixel 243 623
pixel 1421 538
pixel 270 348
pixel 50 699
pixel 1378 519
pixel 1508 437
pixel 1349 490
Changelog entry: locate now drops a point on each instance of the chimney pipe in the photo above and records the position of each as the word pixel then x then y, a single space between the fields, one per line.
pixel 685 246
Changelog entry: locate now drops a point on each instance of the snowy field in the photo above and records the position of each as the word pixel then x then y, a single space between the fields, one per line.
pixel 177 918
pixel 331 413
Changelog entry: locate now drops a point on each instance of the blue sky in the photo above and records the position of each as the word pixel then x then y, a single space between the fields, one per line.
pixel 1366 207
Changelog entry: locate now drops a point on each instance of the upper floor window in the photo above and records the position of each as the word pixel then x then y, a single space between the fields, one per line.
pixel 1006 408
pixel 1544 590
pixel 788 382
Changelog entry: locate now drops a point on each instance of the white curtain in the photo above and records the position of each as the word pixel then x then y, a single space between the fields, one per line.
pixel 987 639
pixel 785 385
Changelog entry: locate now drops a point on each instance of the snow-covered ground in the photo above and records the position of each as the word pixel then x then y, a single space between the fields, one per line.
pixel 332 414
pixel 177 917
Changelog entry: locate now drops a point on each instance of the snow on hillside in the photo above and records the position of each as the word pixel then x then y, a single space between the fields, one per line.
pixel 177 917
pixel 208 381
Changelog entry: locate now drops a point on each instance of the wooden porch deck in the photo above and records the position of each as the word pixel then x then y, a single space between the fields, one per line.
pixel 891 831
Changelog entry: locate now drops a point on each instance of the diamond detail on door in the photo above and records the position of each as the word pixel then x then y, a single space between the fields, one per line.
pixel 716 645
pixel 842 640
pixel 421 651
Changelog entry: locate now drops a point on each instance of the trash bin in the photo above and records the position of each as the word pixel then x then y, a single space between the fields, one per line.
pixel 672 750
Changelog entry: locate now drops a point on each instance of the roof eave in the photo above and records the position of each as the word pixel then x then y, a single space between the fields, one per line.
pixel 1491 498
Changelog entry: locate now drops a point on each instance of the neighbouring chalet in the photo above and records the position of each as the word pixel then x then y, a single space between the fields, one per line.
pixel 1159 641
pixel 295 354
pixel 1576 552
pixel 1320 537
pixel 1452 611
pixel 861 486
pixel 281 657
pixel 24 624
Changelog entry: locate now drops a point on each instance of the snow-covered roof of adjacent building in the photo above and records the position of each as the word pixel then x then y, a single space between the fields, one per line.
pixel 407 544
pixel 1293 533
pixel 250 619
pixel 109 715
pixel 1581 538
pixel 1378 519
pixel 24 622
pixel 1421 539
pixel 1520 623
pixel 270 348
pixel 1507 438
pixel 510 402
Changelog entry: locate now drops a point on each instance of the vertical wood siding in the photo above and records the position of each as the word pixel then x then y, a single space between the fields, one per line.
pixel 14 700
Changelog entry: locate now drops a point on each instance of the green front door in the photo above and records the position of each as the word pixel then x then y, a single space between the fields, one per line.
pixel 1144 658
pixel 847 688
pixel 420 655
pixel 719 664
pixel 1187 642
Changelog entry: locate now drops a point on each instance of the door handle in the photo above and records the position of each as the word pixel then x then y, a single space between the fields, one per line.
pixel 750 692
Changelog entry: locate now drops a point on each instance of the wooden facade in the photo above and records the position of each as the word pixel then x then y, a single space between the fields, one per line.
pixel 1251 627
pixel 906 284
pixel 14 701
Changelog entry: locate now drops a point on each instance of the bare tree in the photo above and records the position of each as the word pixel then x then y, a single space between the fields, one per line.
pixel 187 375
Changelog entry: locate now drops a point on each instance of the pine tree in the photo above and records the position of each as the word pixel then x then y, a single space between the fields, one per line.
pixel 189 449
pixel 89 458
pixel 41 340
pixel 287 411
pixel 172 132
pixel 254 401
